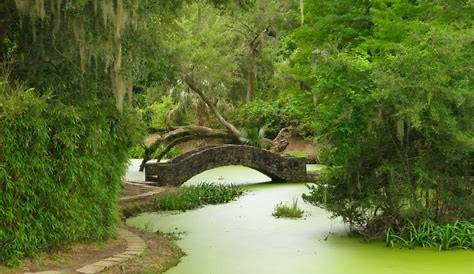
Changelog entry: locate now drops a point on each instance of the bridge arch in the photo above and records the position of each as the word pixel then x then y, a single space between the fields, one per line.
pixel 182 168
pixel 235 174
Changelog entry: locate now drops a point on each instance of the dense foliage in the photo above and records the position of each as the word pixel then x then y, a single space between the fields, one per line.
pixel 234 52
pixel 60 171
pixel 291 108
pixel 64 142
pixel 138 152
pixel 384 86
pixel 395 104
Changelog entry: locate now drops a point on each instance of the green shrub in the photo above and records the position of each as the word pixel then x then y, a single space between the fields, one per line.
pixel 431 234
pixel 191 197
pixel 169 155
pixel 61 168
pixel 285 210
pixel 137 152
pixel 156 114
pixel 291 108
pixel 396 108
pixel 253 137
pixel 260 114
pixel 298 107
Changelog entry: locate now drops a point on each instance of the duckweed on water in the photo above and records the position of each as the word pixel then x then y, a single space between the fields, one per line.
pixel 191 197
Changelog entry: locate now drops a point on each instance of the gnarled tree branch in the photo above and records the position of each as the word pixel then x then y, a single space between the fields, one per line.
pixel 180 135
pixel 231 128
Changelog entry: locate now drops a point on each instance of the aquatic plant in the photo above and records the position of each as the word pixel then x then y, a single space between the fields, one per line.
pixel 191 197
pixel 459 234
pixel 285 210
pixel 173 236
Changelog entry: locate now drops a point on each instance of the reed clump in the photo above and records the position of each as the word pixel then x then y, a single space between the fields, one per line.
pixel 285 210
pixel 457 235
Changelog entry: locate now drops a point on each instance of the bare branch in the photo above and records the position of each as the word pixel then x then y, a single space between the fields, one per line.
pixel 179 132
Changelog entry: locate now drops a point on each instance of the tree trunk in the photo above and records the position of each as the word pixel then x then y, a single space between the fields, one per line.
pixel 199 13
pixel 302 11
pixel 231 128
pixel 251 77
pixel 282 140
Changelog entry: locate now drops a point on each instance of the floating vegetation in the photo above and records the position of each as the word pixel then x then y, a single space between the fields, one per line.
pixel 191 197
pixel 285 210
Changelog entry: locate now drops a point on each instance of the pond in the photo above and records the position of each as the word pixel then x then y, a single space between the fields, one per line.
pixel 243 237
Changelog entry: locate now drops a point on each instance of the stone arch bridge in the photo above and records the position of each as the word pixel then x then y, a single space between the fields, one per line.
pixel 185 166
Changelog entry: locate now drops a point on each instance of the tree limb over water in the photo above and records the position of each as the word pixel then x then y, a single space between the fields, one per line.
pixel 182 134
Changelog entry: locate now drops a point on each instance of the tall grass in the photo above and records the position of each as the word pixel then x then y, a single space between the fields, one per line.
pixel 457 235
pixel 285 210
pixel 191 197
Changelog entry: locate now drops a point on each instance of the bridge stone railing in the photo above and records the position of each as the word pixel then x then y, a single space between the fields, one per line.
pixel 184 167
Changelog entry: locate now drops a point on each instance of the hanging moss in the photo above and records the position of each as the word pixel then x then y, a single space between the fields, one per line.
pixel 104 43
pixel 63 144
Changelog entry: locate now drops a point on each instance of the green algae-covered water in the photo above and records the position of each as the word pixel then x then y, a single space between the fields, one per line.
pixel 243 237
